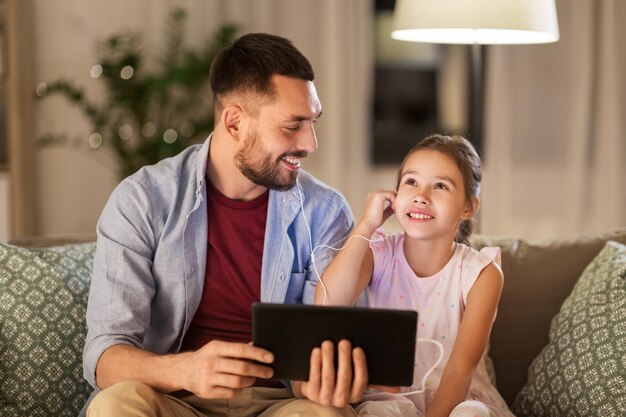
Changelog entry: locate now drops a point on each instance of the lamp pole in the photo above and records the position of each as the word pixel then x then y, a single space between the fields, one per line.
pixel 477 97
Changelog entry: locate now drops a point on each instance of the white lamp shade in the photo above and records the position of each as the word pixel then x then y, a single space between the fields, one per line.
pixel 476 21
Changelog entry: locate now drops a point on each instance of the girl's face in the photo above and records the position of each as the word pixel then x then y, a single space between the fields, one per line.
pixel 430 201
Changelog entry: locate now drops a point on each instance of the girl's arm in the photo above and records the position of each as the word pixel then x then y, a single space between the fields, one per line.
pixel 470 344
pixel 351 270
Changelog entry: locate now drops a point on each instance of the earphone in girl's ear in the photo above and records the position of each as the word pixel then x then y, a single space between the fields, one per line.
pixel 389 208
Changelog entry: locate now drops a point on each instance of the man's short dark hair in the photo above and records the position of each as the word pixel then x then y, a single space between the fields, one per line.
pixel 248 64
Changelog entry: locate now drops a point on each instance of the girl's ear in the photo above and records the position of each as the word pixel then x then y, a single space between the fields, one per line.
pixel 471 208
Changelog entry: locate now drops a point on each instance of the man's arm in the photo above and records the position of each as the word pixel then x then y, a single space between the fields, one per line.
pixel 217 370
pixel 122 286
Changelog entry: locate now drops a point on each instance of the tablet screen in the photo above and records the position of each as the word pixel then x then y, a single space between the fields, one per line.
pixel 291 331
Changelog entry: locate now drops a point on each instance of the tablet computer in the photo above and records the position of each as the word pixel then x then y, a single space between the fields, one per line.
pixel 291 331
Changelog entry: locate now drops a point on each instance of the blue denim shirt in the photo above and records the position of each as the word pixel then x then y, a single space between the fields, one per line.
pixel 149 266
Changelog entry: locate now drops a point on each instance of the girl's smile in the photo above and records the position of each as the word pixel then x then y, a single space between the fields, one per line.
pixel 420 215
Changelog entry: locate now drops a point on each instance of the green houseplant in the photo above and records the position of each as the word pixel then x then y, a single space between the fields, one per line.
pixel 148 113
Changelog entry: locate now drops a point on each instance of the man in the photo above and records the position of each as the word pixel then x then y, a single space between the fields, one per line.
pixel 187 245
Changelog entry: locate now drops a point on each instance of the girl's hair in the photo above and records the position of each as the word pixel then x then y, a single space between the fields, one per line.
pixel 466 158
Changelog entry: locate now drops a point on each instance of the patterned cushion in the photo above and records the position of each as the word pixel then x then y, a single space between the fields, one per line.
pixel 582 370
pixel 43 298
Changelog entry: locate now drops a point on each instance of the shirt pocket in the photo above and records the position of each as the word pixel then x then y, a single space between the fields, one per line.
pixel 296 288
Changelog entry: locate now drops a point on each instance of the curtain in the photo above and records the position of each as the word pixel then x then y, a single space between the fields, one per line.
pixel 555 157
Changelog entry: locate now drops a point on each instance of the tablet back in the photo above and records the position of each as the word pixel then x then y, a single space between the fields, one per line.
pixel 291 331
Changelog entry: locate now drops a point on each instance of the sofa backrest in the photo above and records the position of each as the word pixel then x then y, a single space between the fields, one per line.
pixel 538 276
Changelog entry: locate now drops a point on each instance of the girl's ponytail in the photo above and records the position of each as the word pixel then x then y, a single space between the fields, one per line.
pixel 465 230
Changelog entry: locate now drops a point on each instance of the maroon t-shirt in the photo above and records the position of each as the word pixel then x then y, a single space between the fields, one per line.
pixel 232 283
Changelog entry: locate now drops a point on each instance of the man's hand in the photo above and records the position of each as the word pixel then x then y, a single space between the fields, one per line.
pixel 222 369
pixel 337 388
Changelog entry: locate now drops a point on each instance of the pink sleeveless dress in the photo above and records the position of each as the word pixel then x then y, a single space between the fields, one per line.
pixel 440 301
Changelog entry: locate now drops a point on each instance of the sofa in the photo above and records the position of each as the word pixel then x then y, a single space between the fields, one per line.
pixel 558 345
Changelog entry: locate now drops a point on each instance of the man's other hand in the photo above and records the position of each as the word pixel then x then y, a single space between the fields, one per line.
pixel 327 386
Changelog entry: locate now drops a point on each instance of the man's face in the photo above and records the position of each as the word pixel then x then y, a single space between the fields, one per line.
pixel 280 135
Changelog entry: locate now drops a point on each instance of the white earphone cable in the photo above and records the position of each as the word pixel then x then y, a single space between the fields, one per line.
pixel 432 368
pixel 319 278
pixel 332 247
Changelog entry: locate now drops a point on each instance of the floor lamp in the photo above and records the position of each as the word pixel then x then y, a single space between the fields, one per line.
pixel 476 23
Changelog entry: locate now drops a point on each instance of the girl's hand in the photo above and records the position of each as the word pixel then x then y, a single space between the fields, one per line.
pixel 378 208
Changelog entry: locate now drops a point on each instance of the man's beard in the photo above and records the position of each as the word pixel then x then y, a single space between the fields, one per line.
pixel 257 165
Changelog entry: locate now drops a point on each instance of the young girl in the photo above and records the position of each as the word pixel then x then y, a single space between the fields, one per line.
pixel 431 269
